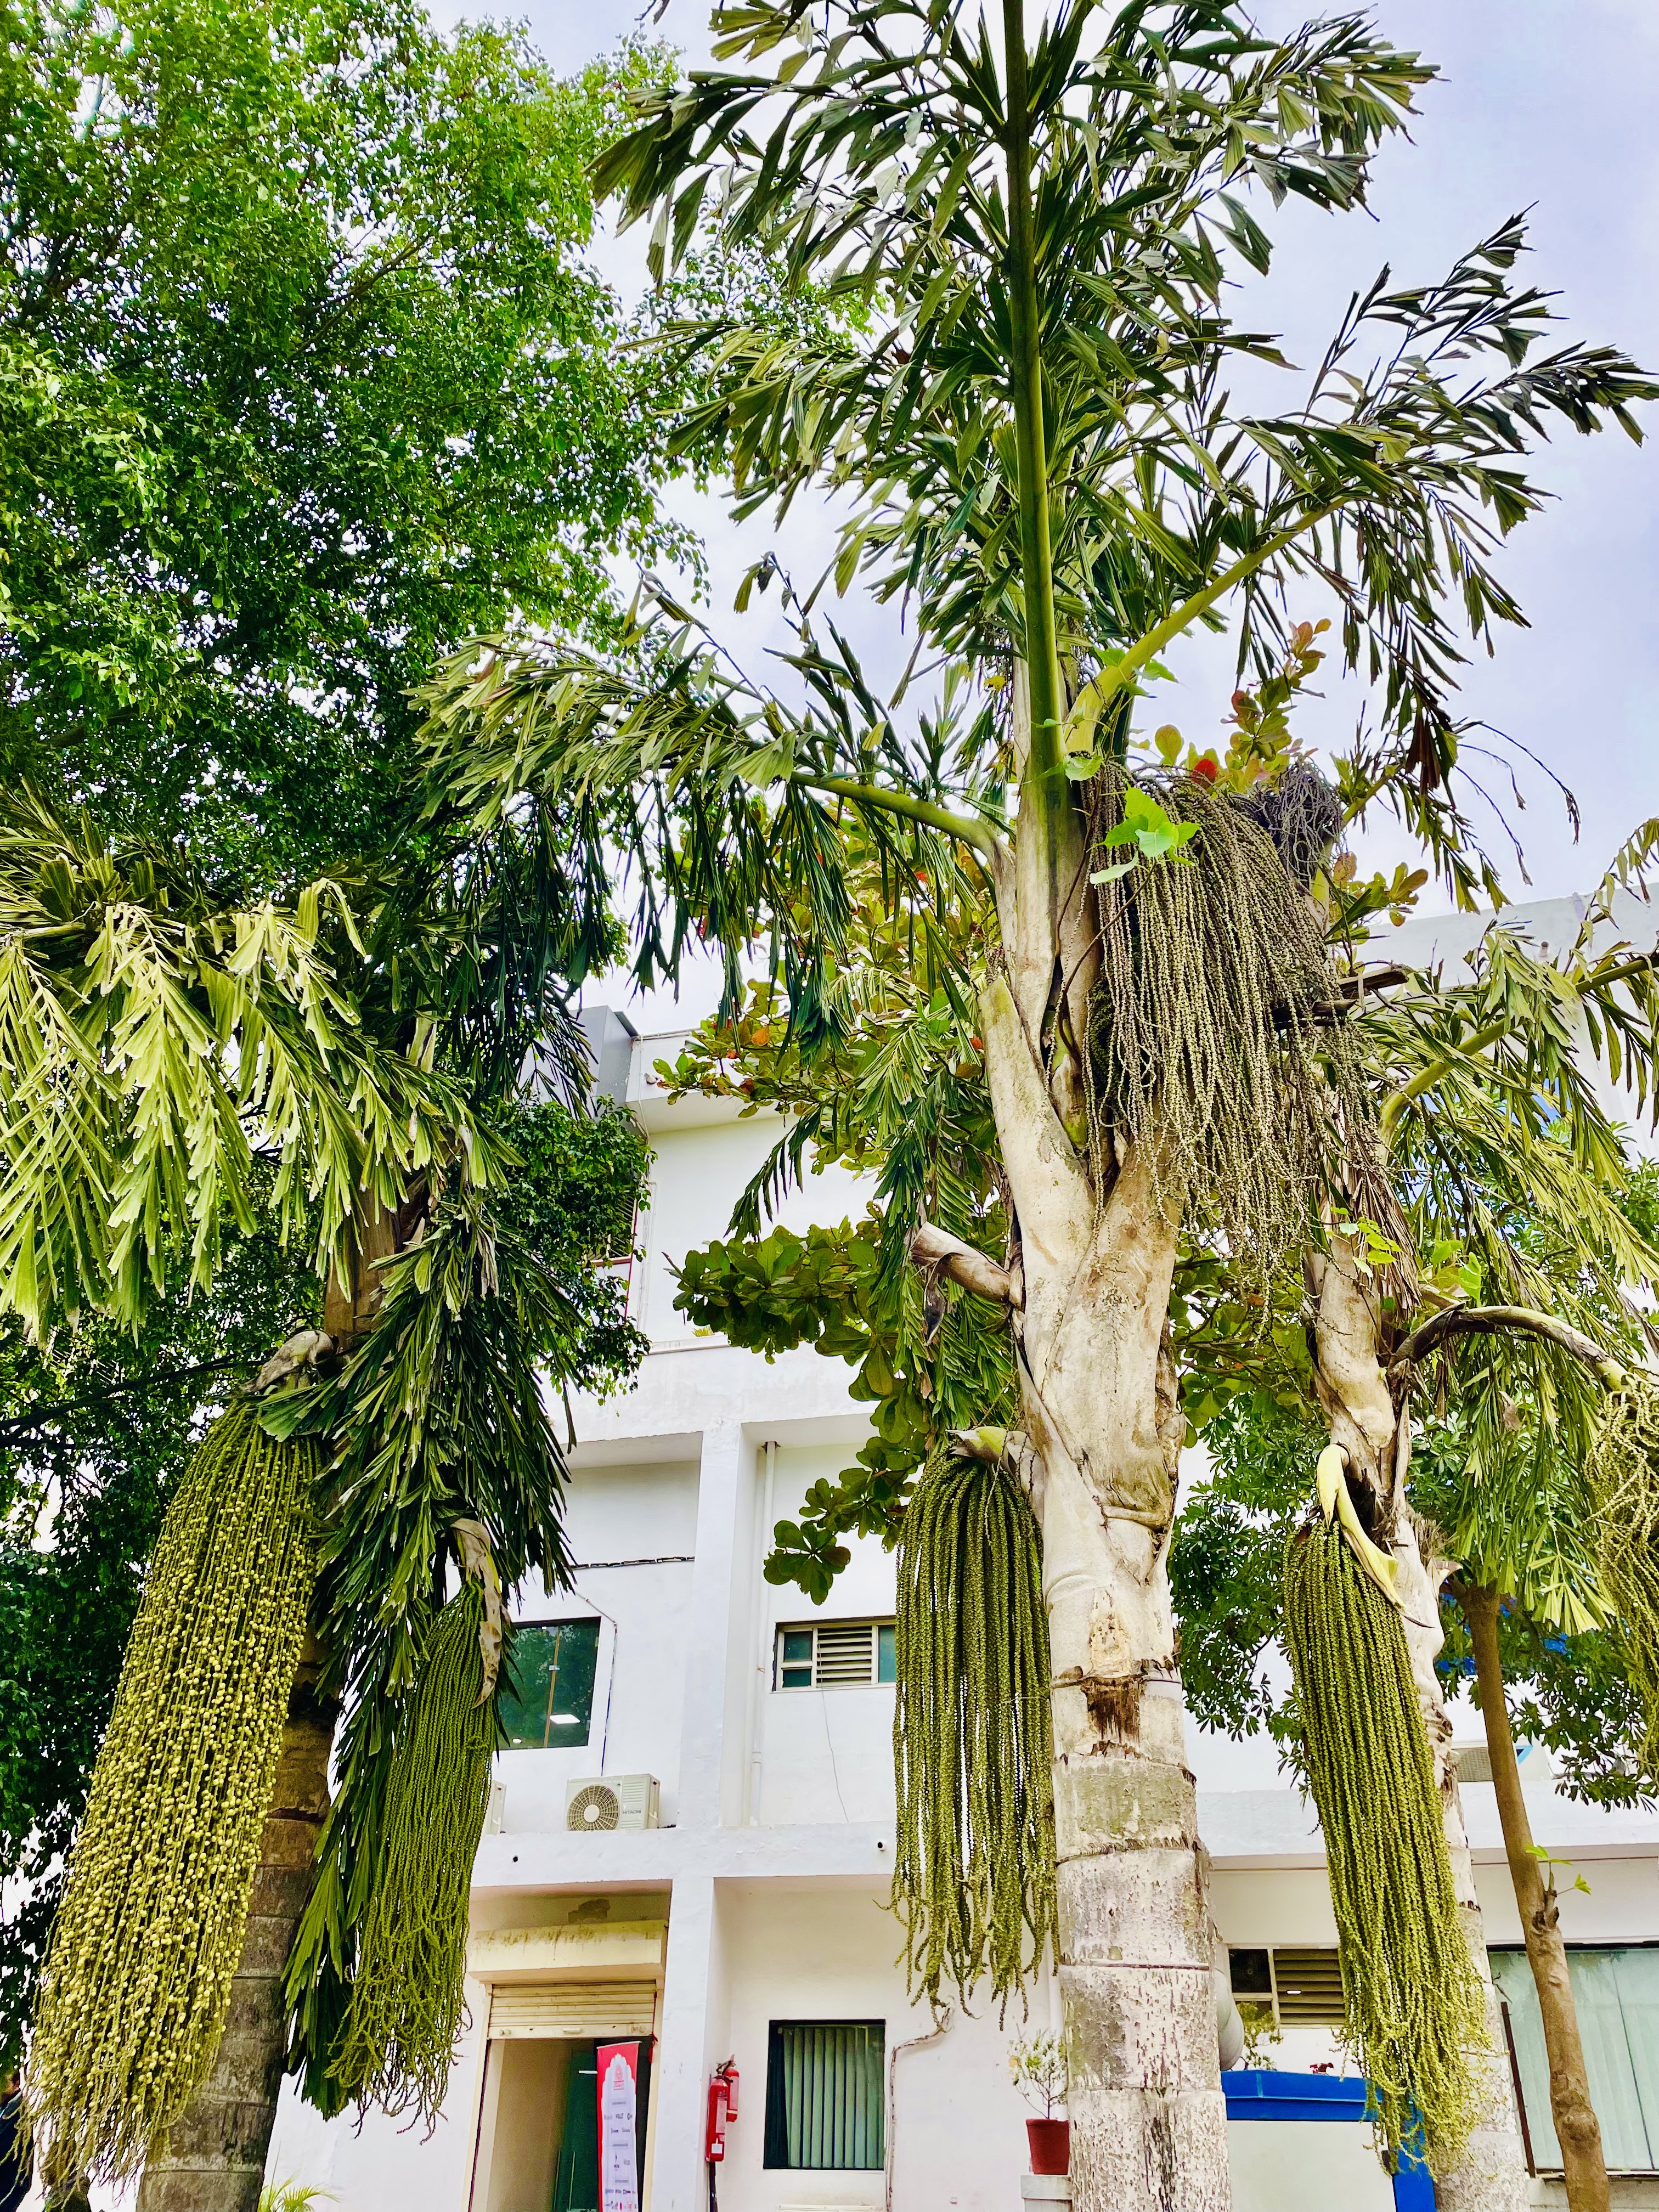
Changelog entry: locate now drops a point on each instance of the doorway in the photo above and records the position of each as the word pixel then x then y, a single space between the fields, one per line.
pixel 539 2131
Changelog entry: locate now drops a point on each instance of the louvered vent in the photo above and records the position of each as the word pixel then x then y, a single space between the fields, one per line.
pixel 1309 1987
pixel 1474 1763
pixel 846 1651
pixel 535 2010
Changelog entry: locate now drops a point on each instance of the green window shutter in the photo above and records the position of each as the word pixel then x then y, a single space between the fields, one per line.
pixel 825 2101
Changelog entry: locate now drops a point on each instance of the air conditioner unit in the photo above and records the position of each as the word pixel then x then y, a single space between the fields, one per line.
pixel 617 1800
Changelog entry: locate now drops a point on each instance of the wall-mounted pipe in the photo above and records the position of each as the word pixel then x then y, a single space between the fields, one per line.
pixel 761 1676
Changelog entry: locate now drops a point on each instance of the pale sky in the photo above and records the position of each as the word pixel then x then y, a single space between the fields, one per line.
pixel 1543 104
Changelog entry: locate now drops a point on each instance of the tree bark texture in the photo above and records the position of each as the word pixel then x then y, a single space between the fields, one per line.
pixel 1577 2127
pixel 1102 1436
pixel 1350 1375
pixel 214 2161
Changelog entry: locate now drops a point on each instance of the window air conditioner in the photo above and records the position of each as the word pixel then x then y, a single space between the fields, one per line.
pixel 619 1800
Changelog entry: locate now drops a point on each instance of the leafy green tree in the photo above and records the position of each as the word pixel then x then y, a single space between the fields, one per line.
pixel 1567 1685
pixel 1537 1205
pixel 1523 1611
pixel 1034 434
pixel 178 1077
pixel 302 378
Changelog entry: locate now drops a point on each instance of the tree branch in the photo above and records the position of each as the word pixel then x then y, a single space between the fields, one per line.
pixel 932 1246
pixel 18 1428
pixel 1112 680
pixel 1495 1321
pixel 976 834
pixel 1426 1078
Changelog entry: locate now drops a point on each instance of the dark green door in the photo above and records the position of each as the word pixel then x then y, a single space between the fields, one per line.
pixel 576 2175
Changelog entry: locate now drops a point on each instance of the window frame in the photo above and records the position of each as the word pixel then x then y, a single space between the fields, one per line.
pixel 1269 2000
pixel 881 1628
pixel 582 1620
pixel 774 2137
pixel 1524 2037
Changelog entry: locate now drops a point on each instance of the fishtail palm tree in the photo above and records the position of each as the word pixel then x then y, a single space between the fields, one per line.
pixel 157 1041
pixel 1027 406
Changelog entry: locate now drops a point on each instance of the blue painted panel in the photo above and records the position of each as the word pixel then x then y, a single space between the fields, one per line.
pixel 1257 2094
pixel 1413 2189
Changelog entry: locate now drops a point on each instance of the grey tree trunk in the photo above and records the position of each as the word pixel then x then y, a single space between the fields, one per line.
pixel 1577 2127
pixel 215 2159
pixel 1376 1433
pixel 1102 1434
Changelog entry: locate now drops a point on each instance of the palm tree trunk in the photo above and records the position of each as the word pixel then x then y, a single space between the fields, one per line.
pixel 1102 1434
pixel 215 2159
pixel 1376 1434
pixel 1102 1425
pixel 1577 2127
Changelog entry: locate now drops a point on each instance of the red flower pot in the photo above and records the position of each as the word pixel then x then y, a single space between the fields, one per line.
pixel 1051 2145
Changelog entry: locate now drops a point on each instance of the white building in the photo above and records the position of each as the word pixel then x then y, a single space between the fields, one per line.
pixel 741 1901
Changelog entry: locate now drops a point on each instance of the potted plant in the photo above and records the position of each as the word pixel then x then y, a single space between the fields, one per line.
pixel 1037 2069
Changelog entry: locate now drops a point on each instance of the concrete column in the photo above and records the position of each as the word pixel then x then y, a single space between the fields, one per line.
pixel 712 1748
pixel 695 2009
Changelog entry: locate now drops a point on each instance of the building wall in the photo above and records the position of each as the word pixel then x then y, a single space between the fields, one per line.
pixel 811 1953
pixel 773 1860
pixel 705 1156
pixel 617 1515
pixel 821 1755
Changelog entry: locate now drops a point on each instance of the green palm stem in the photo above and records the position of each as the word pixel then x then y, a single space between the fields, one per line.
pixel 1044 781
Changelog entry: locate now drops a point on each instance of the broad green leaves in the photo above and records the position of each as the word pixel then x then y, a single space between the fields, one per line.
pixel 301 379
pixel 1147 827
pixel 922 1372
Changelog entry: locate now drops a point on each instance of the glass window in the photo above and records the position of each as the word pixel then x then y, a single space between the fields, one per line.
pixel 1615 1993
pixel 824 2105
pixel 549 1702
pixel 1252 1974
pixel 835 1654
pixel 797 1659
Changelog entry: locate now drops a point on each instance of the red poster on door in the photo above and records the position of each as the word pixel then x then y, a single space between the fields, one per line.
pixel 618 2070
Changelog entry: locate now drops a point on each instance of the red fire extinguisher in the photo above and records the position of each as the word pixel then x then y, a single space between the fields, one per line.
pixel 722 2107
